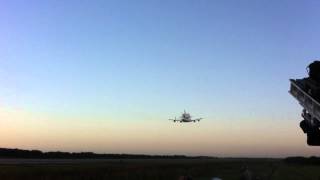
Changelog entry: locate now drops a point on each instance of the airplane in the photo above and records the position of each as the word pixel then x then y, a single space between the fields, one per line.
pixel 185 117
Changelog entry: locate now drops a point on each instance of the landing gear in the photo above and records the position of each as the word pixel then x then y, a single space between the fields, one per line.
pixel 304 126
pixel 313 137
pixel 310 126
pixel 313 133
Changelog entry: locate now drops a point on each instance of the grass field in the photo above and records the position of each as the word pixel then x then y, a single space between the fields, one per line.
pixel 199 169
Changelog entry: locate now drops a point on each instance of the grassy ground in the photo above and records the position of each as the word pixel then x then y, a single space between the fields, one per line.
pixel 227 169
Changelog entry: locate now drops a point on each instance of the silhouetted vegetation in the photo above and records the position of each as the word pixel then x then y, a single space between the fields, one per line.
pixel 36 154
pixel 303 160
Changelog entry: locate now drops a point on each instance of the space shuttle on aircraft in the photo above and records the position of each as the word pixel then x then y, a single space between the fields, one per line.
pixel 185 117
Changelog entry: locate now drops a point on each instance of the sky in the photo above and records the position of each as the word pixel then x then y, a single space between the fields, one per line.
pixel 105 76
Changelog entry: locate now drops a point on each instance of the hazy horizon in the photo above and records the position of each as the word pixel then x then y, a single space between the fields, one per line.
pixel 105 76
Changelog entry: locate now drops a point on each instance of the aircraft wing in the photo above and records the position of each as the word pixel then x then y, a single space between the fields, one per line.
pixel 175 120
pixel 197 119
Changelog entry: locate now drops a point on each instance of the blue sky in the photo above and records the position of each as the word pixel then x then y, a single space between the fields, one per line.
pixel 139 61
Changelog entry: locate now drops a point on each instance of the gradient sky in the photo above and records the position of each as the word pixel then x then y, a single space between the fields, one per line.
pixel 105 76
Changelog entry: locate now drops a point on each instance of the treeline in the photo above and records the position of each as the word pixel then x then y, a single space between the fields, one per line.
pixel 303 160
pixel 36 154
